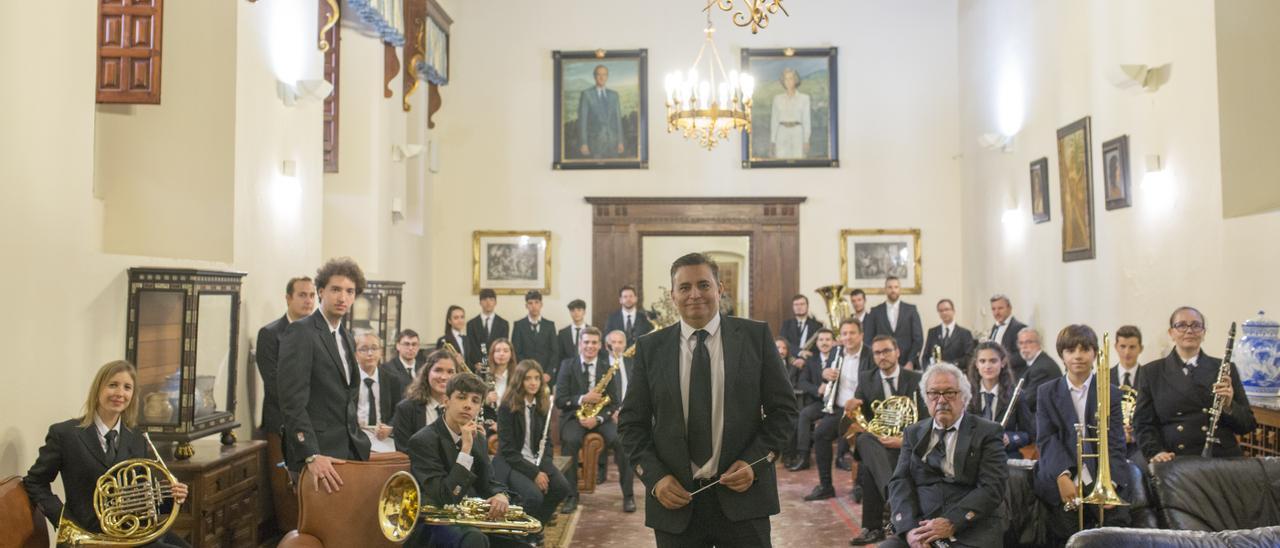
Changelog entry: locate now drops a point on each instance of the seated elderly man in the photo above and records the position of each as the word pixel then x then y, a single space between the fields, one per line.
pixel 951 472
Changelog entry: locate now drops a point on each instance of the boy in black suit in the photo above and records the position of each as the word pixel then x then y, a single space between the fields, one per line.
pixel 576 388
pixel 534 337
pixel 631 319
pixel 487 325
pixel 956 342
pixel 569 335
pixel 450 461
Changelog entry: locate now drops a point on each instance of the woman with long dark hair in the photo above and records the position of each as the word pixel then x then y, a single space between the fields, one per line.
pixel 993 384
pixel 526 406
pixel 455 333
pixel 424 401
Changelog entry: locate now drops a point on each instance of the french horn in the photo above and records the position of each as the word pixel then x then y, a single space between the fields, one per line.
pixel 127 500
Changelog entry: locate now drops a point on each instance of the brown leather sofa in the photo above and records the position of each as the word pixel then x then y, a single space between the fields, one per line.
pixel 348 517
pixel 22 523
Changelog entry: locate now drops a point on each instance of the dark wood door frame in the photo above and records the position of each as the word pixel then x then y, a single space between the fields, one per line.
pixel 771 223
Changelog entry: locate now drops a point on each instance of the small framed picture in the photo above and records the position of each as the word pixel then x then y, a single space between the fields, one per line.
pixel 869 256
pixel 511 262
pixel 1040 190
pixel 793 111
pixel 1115 173
pixel 601 109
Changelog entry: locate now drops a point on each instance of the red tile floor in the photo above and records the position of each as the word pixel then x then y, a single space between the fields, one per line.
pixel 829 523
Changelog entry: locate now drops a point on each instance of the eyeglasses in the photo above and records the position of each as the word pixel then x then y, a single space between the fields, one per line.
pixel 884 351
pixel 368 349
pixel 409 344
pixel 935 395
pixel 1188 327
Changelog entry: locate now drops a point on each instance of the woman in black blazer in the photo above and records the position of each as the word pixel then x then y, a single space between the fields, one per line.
pixel 526 406
pixel 455 333
pixel 423 400
pixel 82 449
pixel 990 369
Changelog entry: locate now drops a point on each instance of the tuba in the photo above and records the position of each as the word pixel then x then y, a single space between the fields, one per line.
pixel 890 417
pixel 127 501
pixel 399 509
pixel 835 296
pixel 1104 492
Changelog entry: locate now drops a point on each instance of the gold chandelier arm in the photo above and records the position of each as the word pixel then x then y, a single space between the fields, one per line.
pixel 329 22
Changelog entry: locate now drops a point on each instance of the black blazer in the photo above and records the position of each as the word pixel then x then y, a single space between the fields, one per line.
pixel 1041 371
pixel 410 416
pixel 1170 412
pixel 316 399
pixel 396 367
pixel 267 355
pixel 1056 438
pixel 1137 374
pixel 791 332
pixel 390 392
pixel 640 325
pixel 970 500
pixel 433 460
pixel 810 377
pixel 1022 423
pixel 564 342
pixel 469 346
pixel 759 411
pixel 511 440
pixel 573 383
pixel 1010 343
pixel 871 389
pixel 957 349
pixel 74 452
pixel 910 334
pixel 500 329
pixel 540 346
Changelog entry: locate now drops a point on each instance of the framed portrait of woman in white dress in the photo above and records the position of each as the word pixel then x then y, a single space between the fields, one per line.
pixel 793 112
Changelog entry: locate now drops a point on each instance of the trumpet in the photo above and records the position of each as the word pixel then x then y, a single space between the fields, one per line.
pixel 1219 403
pixel 127 501
pixel 588 410
pixel 400 507
pixel 1104 493
pixel 829 403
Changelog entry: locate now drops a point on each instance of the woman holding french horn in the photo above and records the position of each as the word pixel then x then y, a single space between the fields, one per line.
pixel 89 452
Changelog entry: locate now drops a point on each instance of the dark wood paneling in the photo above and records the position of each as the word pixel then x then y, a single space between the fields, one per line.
pixel 331 73
pixel 773 225
pixel 129 40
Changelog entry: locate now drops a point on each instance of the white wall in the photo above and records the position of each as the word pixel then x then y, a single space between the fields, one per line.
pixel 659 251
pixel 898 125
pixel 1172 247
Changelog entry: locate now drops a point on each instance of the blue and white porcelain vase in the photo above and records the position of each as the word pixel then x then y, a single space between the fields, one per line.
pixel 1257 356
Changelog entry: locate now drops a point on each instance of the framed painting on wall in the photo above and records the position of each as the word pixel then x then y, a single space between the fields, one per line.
pixel 1040 190
pixel 1075 168
pixel 793 111
pixel 869 256
pixel 1115 173
pixel 511 262
pixel 601 109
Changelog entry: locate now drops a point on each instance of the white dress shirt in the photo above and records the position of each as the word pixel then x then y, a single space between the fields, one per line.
pixel 487 320
pixel 715 348
pixel 527 452
pixel 995 398
pixel 1121 370
pixel 465 459
pixel 947 330
pixel 457 342
pixel 848 378
pixel 362 414
pixel 342 350
pixel 410 367
pixel 590 368
pixel 500 382
pixel 884 381
pixel 102 432
pixel 432 413
pixel 1080 396
pixel 998 335
pixel 949 463
pixel 622 371
pixel 892 309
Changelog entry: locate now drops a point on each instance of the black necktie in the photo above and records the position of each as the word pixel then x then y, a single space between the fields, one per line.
pixel 487 328
pixel 946 333
pixel 893 385
pixel 575 336
pixel 628 325
pixel 373 403
pixel 591 374
pixel 989 409
pixel 995 330
pixel 938 454
pixel 111 445
pixel 439 411
pixel 1188 368
pixel 700 401
pixel 1125 381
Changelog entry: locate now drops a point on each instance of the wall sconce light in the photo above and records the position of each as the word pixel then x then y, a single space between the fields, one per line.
pixel 996 141
pixel 1154 163
pixel 303 90
pixel 1140 76
pixel 289 168
pixel 403 152
pixel 397 210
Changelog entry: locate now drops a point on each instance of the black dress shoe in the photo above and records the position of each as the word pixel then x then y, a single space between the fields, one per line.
pixel 601 476
pixel 868 536
pixel 570 504
pixel 857 494
pixel 802 464
pixel 844 464
pixel 629 504
pixel 821 492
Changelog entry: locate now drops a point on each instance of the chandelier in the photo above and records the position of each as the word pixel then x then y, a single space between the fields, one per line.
pixel 708 109
pixel 756 14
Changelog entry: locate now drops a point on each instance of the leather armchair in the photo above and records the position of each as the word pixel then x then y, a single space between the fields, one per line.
pixel 348 517
pixel 588 460
pixel 1026 513
pixel 1108 537
pixel 1199 494
pixel 23 524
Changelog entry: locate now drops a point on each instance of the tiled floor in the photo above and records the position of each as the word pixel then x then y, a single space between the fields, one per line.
pixel 829 523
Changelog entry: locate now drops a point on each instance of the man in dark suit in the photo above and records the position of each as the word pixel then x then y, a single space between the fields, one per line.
pixel 450 461
pixel 616 343
pixel 1005 331
pixel 899 320
pixel 378 392
pixel 576 388
pixel 534 337
pixel 1175 391
pixel 879 454
pixel 859 299
pixel 317 380
pixel 1064 402
pixel 600 119
pixel 487 325
pixel 300 302
pixel 569 335
pixel 956 342
pixel 1042 368
pixel 798 330
pixel 631 319
pixel 1125 374
pixel 809 384
pixel 951 472
pixel 707 374
pixel 405 364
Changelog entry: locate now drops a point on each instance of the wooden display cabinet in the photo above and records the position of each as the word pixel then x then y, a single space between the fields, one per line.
pixel 378 310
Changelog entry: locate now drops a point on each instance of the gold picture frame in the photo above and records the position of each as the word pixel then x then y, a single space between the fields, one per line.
pixel 879 253
pixel 511 262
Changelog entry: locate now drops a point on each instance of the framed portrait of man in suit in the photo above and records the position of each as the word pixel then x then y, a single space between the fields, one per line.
pixel 793 112
pixel 1075 177
pixel 1040 191
pixel 511 262
pixel 869 256
pixel 1115 173
pixel 601 109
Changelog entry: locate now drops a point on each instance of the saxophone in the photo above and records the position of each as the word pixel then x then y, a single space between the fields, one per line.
pixel 588 410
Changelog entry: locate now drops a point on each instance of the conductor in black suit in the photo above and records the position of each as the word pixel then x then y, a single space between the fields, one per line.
pixel 487 325
pixel 956 342
pixel 568 336
pixel 630 319
pixel 1041 368
pixel 318 380
pixel 899 319
pixel 709 401
pixel 534 337
pixel 1005 331
pixel 951 472
pixel 82 449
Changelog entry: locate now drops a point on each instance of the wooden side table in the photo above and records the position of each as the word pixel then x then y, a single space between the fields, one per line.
pixel 225 504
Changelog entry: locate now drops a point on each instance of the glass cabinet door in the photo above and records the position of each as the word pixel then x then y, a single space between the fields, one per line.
pixel 213 353
pixel 159 355
pixel 392 327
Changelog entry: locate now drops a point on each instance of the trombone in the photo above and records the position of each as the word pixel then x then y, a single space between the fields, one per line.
pixel 1104 492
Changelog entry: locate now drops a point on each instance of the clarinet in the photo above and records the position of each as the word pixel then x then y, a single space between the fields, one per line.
pixel 1013 400
pixel 1219 403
